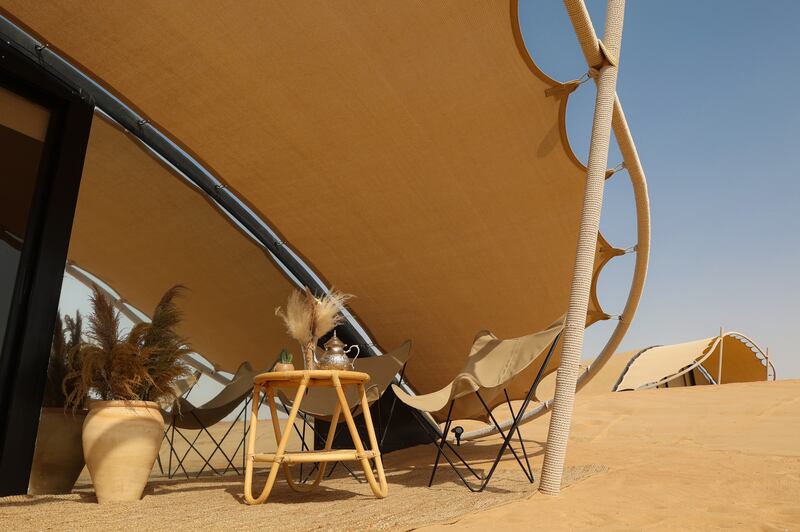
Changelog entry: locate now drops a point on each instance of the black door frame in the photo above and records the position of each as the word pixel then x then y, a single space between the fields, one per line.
pixel 26 350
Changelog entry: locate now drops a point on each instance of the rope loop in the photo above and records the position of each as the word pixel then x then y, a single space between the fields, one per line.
pixel 612 171
pixel 632 249
pixel 569 86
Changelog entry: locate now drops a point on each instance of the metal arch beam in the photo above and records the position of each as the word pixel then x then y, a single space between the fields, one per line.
pixel 595 54
pixel 757 351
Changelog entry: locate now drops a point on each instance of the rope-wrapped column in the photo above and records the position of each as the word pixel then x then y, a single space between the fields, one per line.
pixel 567 375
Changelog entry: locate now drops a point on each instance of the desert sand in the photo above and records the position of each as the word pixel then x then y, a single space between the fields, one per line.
pixel 702 457
pixel 698 458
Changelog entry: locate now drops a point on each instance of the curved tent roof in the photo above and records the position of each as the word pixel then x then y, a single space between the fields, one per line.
pixel 141 229
pixel 407 150
pixel 742 361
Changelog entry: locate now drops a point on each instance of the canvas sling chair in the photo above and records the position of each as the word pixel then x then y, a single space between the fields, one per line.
pixel 320 402
pixel 480 387
pixel 186 416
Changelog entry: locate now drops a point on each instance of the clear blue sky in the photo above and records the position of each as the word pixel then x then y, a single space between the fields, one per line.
pixel 710 90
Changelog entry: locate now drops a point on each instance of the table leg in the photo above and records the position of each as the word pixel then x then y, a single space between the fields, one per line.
pixel 305 488
pixel 251 444
pixel 282 439
pixel 373 443
pixel 379 488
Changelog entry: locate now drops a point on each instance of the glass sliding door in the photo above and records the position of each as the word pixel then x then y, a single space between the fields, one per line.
pixel 44 127
pixel 23 127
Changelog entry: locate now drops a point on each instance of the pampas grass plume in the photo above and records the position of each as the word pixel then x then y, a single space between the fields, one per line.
pixel 308 318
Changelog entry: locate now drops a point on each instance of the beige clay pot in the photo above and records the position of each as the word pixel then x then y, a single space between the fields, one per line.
pixel 280 366
pixel 121 440
pixel 58 458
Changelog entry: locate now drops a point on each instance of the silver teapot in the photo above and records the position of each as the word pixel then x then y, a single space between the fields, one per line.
pixel 335 355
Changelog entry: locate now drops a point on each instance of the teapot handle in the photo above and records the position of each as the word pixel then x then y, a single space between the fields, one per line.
pixel 358 352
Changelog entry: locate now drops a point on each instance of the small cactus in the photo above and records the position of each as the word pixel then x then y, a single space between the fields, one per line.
pixel 286 356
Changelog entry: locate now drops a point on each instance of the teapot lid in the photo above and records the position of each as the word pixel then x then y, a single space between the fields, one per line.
pixel 334 342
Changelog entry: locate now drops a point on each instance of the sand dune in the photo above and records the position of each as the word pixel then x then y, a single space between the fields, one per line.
pixel 702 457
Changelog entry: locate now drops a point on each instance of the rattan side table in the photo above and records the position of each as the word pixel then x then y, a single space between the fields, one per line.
pixel 267 382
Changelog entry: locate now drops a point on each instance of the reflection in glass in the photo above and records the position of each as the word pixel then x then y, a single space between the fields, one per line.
pixel 23 125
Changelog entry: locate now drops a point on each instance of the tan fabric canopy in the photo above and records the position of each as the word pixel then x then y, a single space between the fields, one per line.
pixel 141 229
pixel 406 149
pixel 742 361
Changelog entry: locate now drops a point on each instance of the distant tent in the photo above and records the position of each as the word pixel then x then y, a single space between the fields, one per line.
pixel 697 363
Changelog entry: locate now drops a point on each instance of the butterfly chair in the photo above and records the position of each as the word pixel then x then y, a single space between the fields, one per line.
pixel 319 402
pixel 181 388
pixel 481 386
pixel 186 416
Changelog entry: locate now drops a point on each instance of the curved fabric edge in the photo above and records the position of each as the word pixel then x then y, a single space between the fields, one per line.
pixel 526 56
pixel 638 180
pixel 757 350
pixel 636 173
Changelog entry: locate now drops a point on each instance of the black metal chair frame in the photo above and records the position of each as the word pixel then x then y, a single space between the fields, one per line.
pixel 171 430
pixel 507 436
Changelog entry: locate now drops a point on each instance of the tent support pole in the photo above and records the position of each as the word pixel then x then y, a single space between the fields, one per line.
pixel 567 375
pixel 721 352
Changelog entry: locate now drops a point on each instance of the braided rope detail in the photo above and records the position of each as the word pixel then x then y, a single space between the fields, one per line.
pixel 572 347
